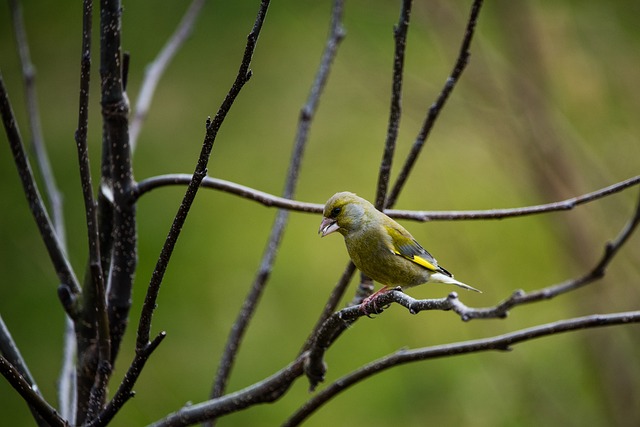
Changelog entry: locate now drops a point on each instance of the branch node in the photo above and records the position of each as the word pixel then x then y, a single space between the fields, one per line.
pixel 315 373
pixel 69 300
pixel 519 293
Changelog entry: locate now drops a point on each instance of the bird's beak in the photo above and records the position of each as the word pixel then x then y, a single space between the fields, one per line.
pixel 328 226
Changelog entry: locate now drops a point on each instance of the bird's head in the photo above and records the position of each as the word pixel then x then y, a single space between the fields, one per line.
pixel 344 212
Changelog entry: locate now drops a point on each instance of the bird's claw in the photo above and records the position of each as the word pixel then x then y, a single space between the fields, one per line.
pixel 370 302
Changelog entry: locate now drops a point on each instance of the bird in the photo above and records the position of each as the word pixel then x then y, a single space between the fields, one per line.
pixel 381 248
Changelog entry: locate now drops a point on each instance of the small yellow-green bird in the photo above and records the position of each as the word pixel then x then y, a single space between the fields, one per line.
pixel 380 247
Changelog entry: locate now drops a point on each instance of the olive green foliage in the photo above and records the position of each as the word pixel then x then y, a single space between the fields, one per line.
pixel 546 110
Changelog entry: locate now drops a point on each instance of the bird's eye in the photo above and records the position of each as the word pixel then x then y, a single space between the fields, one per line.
pixel 335 211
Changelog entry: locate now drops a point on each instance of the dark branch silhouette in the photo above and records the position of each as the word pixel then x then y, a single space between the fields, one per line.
pixel 60 262
pixel 213 126
pixel 498 343
pixel 307 113
pixel 270 200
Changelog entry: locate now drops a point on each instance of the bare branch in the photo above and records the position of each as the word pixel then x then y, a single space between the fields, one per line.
pixel 33 116
pixel 249 193
pixel 307 113
pixel 395 111
pixel 499 343
pixel 270 200
pixel 36 205
pixel 30 395
pixel 125 390
pixel 213 126
pixel 156 68
pixel 95 290
pixel 67 377
pixel 115 118
pixel 434 110
pixel 563 205
pixel 94 364
pixel 10 351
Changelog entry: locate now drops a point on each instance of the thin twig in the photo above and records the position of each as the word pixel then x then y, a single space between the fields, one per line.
pixel 67 373
pixel 339 321
pixel 499 343
pixel 10 351
pixel 436 107
pixel 395 111
pixel 307 113
pixel 57 254
pixel 245 192
pixel 33 116
pixel 270 200
pixel 563 205
pixel 31 396
pixel 157 67
pixel 125 390
pixel 213 126
pixel 67 377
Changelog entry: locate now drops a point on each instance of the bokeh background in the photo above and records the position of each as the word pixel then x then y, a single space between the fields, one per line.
pixel 547 109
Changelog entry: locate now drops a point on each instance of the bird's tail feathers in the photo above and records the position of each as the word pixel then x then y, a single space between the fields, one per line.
pixel 443 278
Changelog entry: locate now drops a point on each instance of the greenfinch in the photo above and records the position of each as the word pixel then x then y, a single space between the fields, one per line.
pixel 380 247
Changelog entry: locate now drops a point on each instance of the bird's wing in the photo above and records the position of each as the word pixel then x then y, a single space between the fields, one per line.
pixel 406 246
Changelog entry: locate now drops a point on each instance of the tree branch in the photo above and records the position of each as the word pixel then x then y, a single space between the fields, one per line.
pixel 9 350
pixel 33 116
pixel 93 369
pixel 67 377
pixel 95 298
pixel 54 247
pixel 270 200
pixel 213 126
pixel 307 113
pixel 499 343
pixel 249 193
pixel 563 205
pixel 436 107
pixel 125 390
pixel 400 36
pixel 157 67
pixel 115 116
pixel 29 394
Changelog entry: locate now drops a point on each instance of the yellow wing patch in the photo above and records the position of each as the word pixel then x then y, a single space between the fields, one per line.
pixel 423 262
pixel 418 260
pixel 404 245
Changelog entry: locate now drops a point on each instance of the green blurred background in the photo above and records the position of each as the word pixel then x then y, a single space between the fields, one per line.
pixel 547 109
